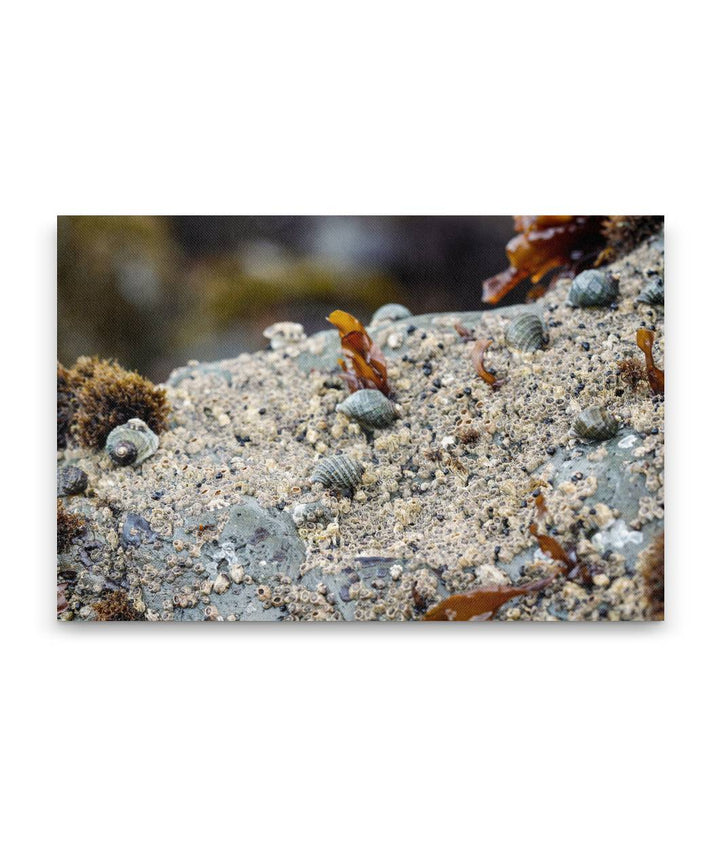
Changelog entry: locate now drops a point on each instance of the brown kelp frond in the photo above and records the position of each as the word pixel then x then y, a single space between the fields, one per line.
pixel 69 527
pixel 631 373
pixel 622 233
pixel 655 376
pixel 116 606
pixel 545 243
pixel 482 603
pixel 477 357
pixel 651 564
pixel 367 368
pixel 106 395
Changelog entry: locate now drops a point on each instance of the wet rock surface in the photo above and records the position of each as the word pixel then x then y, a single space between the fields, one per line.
pixel 223 522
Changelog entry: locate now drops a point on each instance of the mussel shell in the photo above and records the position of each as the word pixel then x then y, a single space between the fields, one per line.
pixel 593 288
pixel 527 332
pixel 653 293
pixel 131 443
pixel 71 480
pixel 369 408
pixel 595 423
pixel 338 471
pixel 390 312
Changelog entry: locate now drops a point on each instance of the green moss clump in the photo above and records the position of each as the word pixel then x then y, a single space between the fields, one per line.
pixel 69 527
pixel 106 395
pixel 116 606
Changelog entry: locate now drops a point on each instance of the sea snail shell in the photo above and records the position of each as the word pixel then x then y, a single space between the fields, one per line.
pixel 131 443
pixel 527 332
pixel 390 312
pixel 71 480
pixel 593 288
pixel 369 408
pixel 654 292
pixel 595 423
pixel 338 471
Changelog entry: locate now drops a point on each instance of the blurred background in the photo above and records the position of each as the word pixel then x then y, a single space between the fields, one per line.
pixel 153 292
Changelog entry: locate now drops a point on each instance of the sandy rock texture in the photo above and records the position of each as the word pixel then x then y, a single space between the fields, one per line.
pixel 222 523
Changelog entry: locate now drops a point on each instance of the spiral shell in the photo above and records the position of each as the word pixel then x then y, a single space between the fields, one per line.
pixel 595 423
pixel 390 312
pixel 131 443
pixel 338 471
pixel 593 288
pixel 527 332
pixel 654 292
pixel 71 480
pixel 369 408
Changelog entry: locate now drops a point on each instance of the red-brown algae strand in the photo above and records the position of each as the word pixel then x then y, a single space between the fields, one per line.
pixel 656 377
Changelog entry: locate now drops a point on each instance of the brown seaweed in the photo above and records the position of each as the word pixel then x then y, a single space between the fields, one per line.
pixel 477 357
pixel 651 563
pixel 655 376
pixel 69 527
pixel 545 243
pixel 482 603
pixel 366 367
pixel 62 603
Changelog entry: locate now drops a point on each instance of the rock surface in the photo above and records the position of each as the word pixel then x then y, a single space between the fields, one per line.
pixel 216 525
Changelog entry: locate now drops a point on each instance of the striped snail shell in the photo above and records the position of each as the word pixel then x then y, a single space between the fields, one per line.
pixel 338 471
pixel 131 443
pixel 390 312
pixel 71 480
pixel 654 292
pixel 527 332
pixel 593 288
pixel 369 408
pixel 595 423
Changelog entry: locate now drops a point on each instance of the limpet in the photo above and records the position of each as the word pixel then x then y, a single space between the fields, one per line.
pixel 369 408
pixel 131 443
pixel 593 288
pixel 390 312
pixel 595 423
pixel 527 332
pixel 337 471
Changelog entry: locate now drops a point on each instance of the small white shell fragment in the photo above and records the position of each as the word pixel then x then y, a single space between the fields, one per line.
pixel 448 441
pixel 395 340
pixel 284 333
pixel 615 537
pixel 237 573
pixel 628 442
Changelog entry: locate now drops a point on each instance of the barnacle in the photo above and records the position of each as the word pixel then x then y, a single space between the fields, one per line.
pixel 655 376
pixel 106 395
pixel 69 527
pixel 477 355
pixel 367 367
